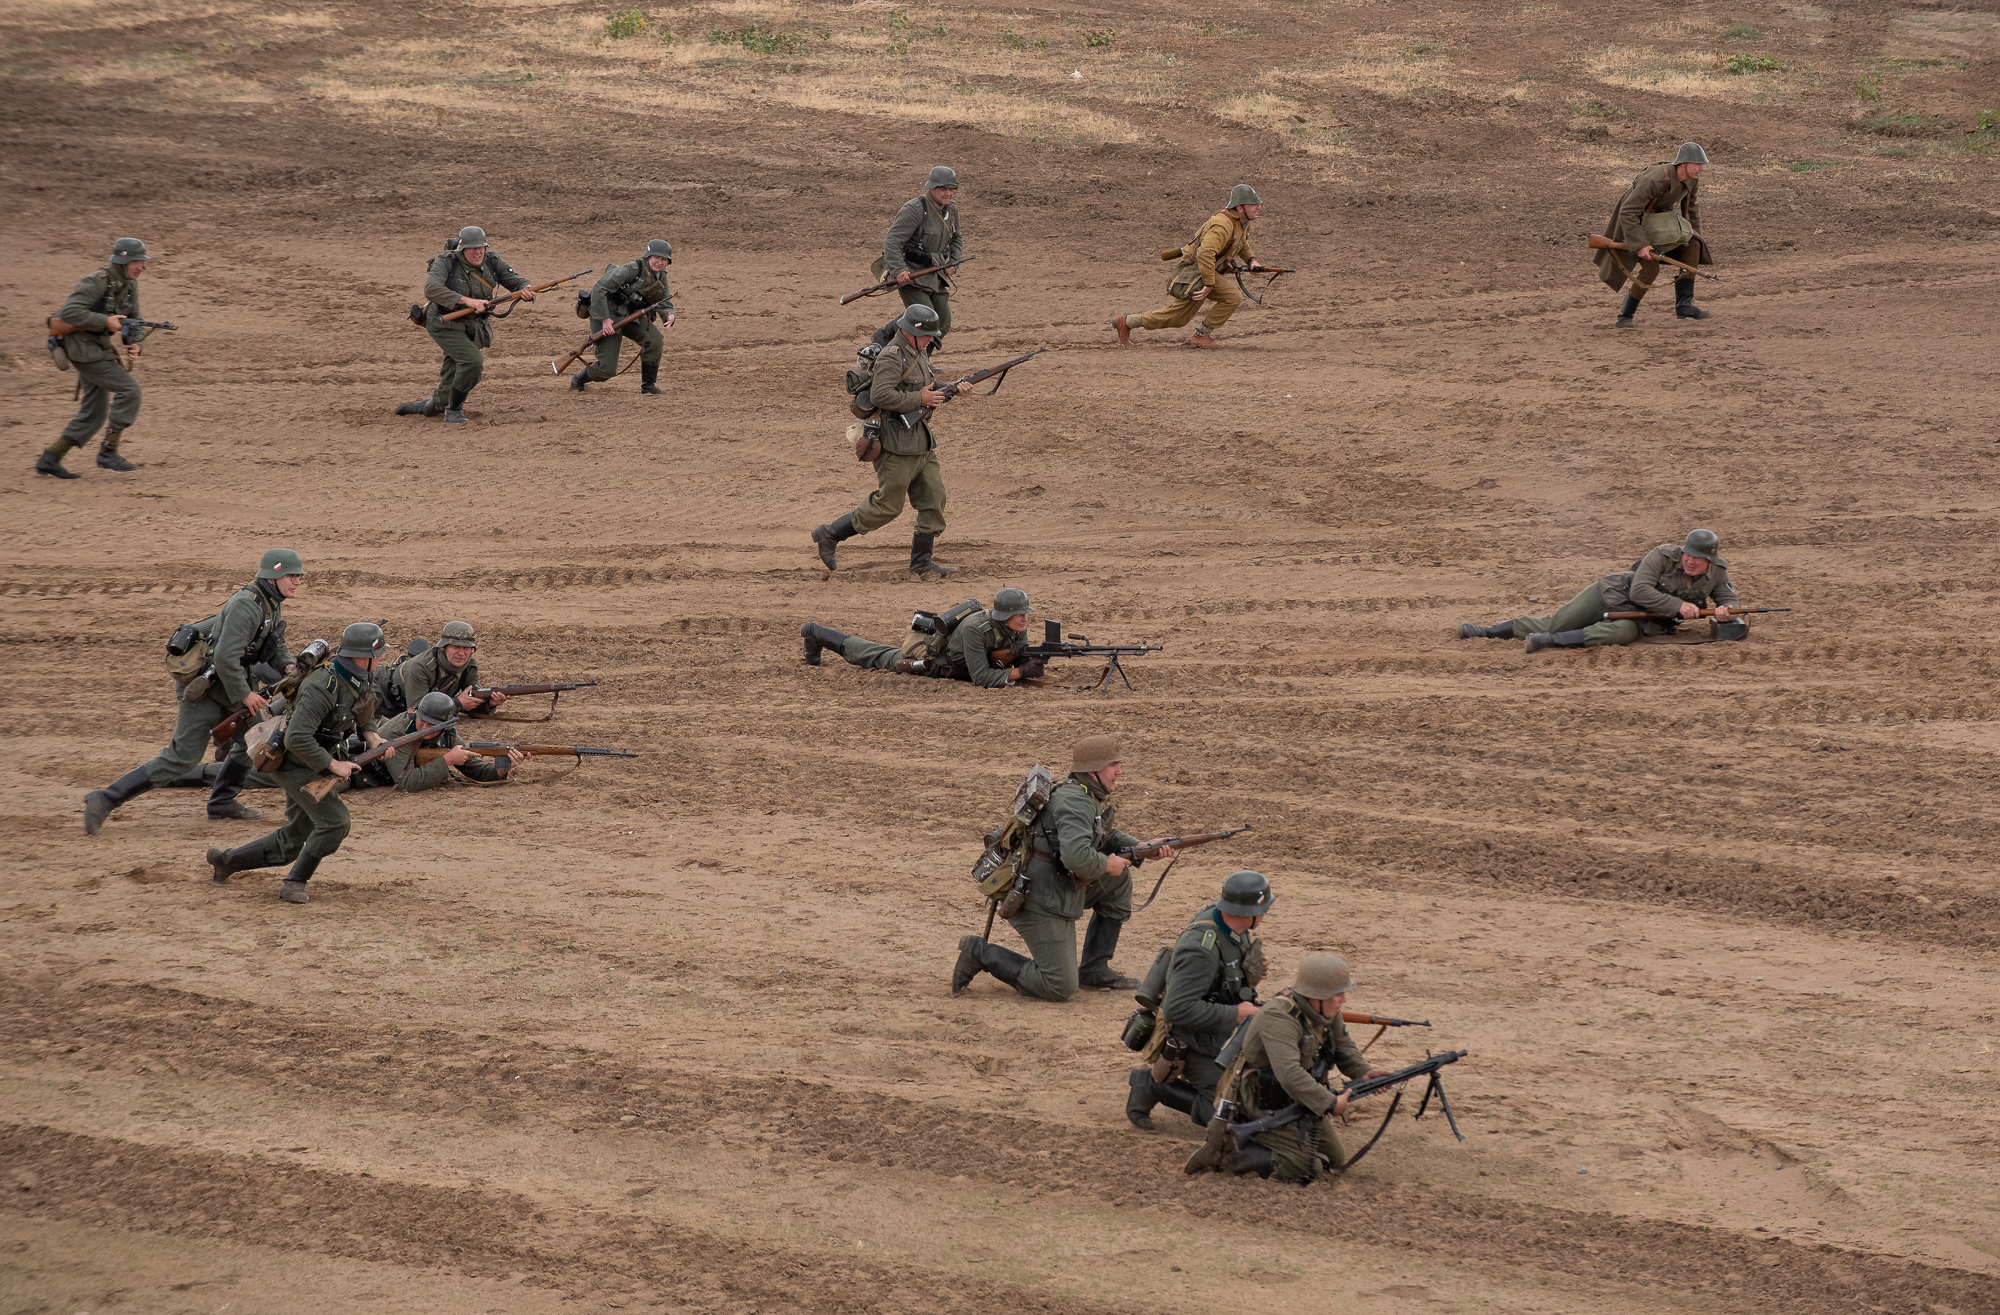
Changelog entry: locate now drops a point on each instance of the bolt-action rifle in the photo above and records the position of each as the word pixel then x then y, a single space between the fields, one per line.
pixel 1053 645
pixel 1379 1023
pixel 1706 611
pixel 511 298
pixel 275 696
pixel 557 367
pixel 910 419
pixel 489 749
pixel 128 327
pixel 890 283
pixel 484 694
pixel 1138 854
pixel 323 786
pixel 1599 243
pixel 1238 271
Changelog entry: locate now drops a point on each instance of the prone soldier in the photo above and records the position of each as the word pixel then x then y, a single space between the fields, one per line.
pixel 462 279
pixel 447 667
pixel 1673 582
pixel 970 652
pixel 99 307
pixel 1659 215
pixel 1073 865
pixel 248 630
pixel 1211 988
pixel 1197 283
pixel 924 233
pixel 624 289
pixel 434 709
pixel 335 704
pixel 903 389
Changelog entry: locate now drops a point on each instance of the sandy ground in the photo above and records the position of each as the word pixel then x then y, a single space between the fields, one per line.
pixel 1717 922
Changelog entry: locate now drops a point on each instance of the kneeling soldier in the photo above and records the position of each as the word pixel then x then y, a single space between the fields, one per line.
pixel 433 710
pixel 1211 988
pixel 334 703
pixel 1673 582
pixel 1287 1038
pixel 638 286
pixel 1073 865
pixel 976 652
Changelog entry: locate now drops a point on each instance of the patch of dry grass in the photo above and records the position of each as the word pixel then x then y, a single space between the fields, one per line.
pixel 1697 73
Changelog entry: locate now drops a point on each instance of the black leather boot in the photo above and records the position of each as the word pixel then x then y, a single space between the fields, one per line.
pixel 1684 307
pixel 1147 1093
pixel 826 536
pixel 967 966
pixel 1100 942
pixel 579 379
pixel 454 413
pixel 1005 965
pixel 1561 639
pixel 1503 630
pixel 97 805
pixel 423 406
pixel 293 891
pixel 222 862
pixel 222 802
pixel 1251 1159
pixel 922 564
pixel 1626 312
pixel 50 464
pixel 649 378
pixel 820 637
pixel 107 452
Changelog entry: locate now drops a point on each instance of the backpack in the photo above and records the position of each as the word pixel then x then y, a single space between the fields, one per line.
pixel 931 632
pixel 418 309
pixel 190 649
pixel 858 380
pixel 999 871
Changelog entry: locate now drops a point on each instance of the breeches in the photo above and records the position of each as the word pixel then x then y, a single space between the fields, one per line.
pixel 108 389
pixel 1584 612
pixel 192 724
pixel 462 367
pixel 312 826
pixel 1051 940
pixel 644 332
pixel 916 478
pixel 1295 1150
pixel 1221 302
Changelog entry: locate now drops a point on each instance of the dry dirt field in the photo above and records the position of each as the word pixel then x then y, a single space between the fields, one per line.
pixel 1718 923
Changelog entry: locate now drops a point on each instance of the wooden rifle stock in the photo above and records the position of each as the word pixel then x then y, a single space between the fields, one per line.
pixel 1601 243
pixel 890 282
pixel 449 316
pixel 557 367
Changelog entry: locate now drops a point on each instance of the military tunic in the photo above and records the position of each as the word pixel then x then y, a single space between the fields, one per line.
pixel 622 290
pixel 923 234
pixel 108 387
pixel 249 629
pixel 411 776
pixel 333 703
pixel 399 688
pixel 1067 874
pixel 1206 980
pixel 1655 584
pixel 1657 189
pixel 462 341
pixel 908 466
pixel 1284 1043
pixel 1225 238
pixel 968 656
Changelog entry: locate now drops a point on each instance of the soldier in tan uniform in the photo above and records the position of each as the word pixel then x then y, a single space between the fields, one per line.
pixel 1660 215
pixel 903 390
pixel 1673 582
pixel 1197 283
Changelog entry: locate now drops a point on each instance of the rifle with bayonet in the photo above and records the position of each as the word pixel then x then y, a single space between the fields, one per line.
pixel 1232 268
pixel 1706 611
pixel 1599 243
pixel 489 749
pixel 889 284
pixel 522 295
pixel 1225 1134
pixel 275 696
pixel 1053 645
pixel 910 419
pixel 559 366
pixel 485 693
pixel 323 786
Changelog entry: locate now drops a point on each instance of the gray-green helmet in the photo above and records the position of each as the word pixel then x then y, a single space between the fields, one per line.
pixel 1244 194
pixel 941 177
pixel 659 246
pixel 1703 544
pixel 437 707
pixel 360 640
pixel 126 250
pixel 1691 153
pixel 918 319
pixel 1009 603
pixel 277 562
pixel 1322 976
pixel 1246 894
pixel 458 633
pixel 472 235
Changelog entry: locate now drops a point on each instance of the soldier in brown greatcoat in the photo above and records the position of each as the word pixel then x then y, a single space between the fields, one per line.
pixel 1659 215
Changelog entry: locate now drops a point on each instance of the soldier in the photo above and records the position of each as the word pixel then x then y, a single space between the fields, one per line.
pixel 978 648
pixel 447 666
pixel 1285 1041
pixel 1660 215
pixel 248 630
pixel 1673 582
pixel 641 285
pixel 904 390
pixel 1073 865
pixel 334 703
pixel 1211 988
pixel 924 233
pixel 435 709
pixel 1225 238
pixel 462 279
pixel 99 307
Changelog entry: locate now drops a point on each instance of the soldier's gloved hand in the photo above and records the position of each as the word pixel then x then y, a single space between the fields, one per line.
pixel 1033 668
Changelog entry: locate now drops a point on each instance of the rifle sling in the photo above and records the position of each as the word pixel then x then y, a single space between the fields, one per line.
pixel 1355 1158
pixel 1161 882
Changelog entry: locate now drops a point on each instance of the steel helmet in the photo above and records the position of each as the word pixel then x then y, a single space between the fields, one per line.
pixel 277 562
pixel 1246 894
pixel 1093 753
pixel 436 707
pixel 126 250
pixel 458 633
pixel 472 235
pixel 918 319
pixel 1244 194
pixel 1703 544
pixel 1322 976
pixel 1691 153
pixel 1009 603
pixel 659 246
pixel 941 177
pixel 360 640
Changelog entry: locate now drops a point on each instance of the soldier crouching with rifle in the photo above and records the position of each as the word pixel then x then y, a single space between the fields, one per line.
pixel 1073 865
pixel 625 290
pixel 1659 215
pixel 973 650
pixel 1670 584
